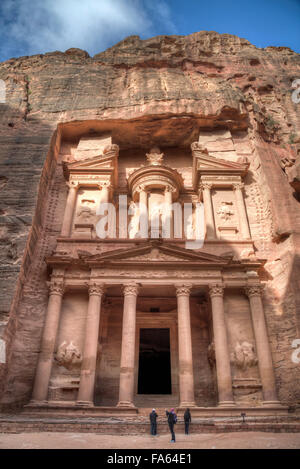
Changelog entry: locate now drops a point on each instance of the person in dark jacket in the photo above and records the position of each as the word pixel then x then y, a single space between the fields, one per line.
pixel 187 420
pixel 153 417
pixel 172 419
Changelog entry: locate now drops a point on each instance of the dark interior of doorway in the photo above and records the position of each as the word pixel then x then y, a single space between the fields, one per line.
pixel 154 362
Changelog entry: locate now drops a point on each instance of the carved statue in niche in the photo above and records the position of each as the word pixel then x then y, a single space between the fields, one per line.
pixel 244 355
pixel 86 212
pixel 211 354
pixel 224 211
pixel 133 228
pixel 68 356
pixel 155 157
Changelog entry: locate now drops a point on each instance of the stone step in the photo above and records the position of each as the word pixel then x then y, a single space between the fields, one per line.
pixel 113 427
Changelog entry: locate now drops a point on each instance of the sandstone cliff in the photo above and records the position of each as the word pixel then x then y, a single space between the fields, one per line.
pixel 164 89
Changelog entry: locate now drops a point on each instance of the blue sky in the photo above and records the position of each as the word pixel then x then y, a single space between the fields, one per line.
pixel 37 26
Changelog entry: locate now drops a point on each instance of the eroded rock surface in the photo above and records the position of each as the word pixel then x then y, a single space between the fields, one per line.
pixel 162 91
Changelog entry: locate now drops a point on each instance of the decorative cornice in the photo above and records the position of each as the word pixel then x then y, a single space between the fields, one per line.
pixel 184 289
pixel 216 290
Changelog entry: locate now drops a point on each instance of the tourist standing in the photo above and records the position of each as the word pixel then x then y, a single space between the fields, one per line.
pixel 187 420
pixel 172 419
pixel 153 425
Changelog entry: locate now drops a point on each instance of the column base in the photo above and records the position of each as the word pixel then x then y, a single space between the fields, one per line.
pixel 271 404
pixel 187 404
pixel 35 403
pixel 226 404
pixel 125 404
pixel 85 403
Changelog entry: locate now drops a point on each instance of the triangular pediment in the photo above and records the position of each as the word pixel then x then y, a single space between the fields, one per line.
pixel 208 163
pixel 101 164
pixel 157 253
pixel 97 162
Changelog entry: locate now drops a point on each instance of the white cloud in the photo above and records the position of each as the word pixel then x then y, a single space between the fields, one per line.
pixel 37 26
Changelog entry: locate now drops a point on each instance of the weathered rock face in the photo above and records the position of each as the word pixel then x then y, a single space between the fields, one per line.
pixel 163 91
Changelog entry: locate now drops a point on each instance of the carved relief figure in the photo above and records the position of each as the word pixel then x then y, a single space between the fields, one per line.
pixel 133 227
pixel 68 355
pixel 224 211
pixel 155 157
pixel 244 355
pixel 86 211
pixel 211 354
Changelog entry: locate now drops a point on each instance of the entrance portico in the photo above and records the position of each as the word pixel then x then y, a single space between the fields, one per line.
pixel 154 294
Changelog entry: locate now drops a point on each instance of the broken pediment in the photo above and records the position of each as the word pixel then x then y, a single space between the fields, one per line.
pixel 91 146
pixel 102 164
pixel 205 164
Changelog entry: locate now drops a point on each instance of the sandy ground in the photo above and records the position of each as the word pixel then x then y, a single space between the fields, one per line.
pixel 51 440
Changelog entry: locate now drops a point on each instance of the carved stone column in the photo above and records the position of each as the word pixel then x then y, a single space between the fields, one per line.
pixel 221 347
pixel 126 390
pixel 143 207
pixel 107 211
pixel 88 367
pixel 167 225
pixel 70 207
pixel 265 363
pixel 104 187
pixel 240 203
pixel 208 211
pixel 44 366
pixel 186 373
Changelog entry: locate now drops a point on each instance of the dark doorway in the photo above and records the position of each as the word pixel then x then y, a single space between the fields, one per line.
pixel 154 362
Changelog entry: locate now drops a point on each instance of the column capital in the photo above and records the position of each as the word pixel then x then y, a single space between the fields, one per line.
pixel 184 289
pixel 104 185
pixel 56 287
pixel 112 148
pixel 254 290
pixel 141 188
pixel 72 184
pixel 206 185
pixel 197 146
pixel 96 288
pixel 238 186
pixel 216 290
pixel 130 289
pixel 169 188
